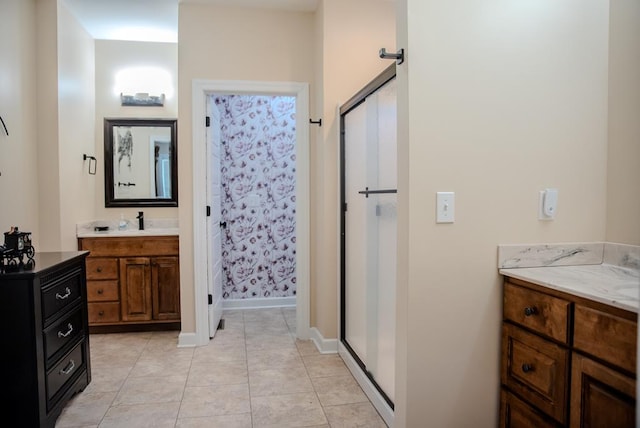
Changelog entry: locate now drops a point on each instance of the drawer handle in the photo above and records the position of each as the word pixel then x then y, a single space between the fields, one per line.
pixel 67 370
pixel 531 310
pixel 67 293
pixel 527 368
pixel 61 334
pixel 99 270
pixel 101 313
pixel 100 291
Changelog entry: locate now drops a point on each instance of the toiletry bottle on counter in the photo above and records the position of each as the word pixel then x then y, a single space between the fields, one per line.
pixel 122 225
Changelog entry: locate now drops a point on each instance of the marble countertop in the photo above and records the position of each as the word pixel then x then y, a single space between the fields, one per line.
pixel 614 280
pixel 153 227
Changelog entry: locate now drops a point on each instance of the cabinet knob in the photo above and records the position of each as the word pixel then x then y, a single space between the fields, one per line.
pixel 530 310
pixel 527 368
pixel 101 313
pixel 99 270
pixel 100 291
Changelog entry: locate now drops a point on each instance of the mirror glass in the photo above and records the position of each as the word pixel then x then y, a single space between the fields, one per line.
pixel 140 162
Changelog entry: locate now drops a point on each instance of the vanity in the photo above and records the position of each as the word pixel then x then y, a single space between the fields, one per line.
pixel 45 353
pixel 569 335
pixel 133 278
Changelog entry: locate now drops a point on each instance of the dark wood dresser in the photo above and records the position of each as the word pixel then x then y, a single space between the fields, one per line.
pixel 45 340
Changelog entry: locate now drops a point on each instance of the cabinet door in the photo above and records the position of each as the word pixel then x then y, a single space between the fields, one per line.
pixel 165 280
pixel 600 396
pixel 515 413
pixel 135 288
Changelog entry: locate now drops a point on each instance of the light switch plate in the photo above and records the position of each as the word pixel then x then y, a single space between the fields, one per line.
pixel 445 207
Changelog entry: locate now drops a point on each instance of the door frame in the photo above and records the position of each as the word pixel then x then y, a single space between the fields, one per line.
pixel 201 89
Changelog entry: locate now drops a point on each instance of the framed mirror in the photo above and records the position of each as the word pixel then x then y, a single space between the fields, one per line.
pixel 140 162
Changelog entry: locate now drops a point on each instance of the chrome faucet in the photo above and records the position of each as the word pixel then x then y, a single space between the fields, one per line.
pixel 140 218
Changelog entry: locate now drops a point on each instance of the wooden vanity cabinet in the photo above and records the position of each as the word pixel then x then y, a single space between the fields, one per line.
pixel 133 281
pixel 566 360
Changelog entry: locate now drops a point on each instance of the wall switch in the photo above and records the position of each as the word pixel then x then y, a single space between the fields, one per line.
pixel 445 207
pixel 547 204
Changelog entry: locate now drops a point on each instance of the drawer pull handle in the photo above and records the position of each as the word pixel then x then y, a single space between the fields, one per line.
pixel 527 368
pixel 67 293
pixel 528 311
pixel 99 270
pixel 100 291
pixel 101 313
pixel 67 370
pixel 70 327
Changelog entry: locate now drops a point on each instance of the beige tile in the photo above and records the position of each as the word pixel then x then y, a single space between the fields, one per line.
pixel 265 342
pixel 114 357
pixel 151 390
pixel 293 410
pixel 279 381
pixel 223 421
pixel 85 409
pixel 163 341
pixel 307 347
pixel 235 352
pixel 325 365
pixel 163 363
pixel 354 415
pixel 273 359
pixel 217 373
pixel 200 401
pixel 157 415
pixel 334 390
pixel 107 379
pixel 263 315
pixel 257 330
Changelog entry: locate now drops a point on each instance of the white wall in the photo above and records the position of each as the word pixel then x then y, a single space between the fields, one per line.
pixel 227 43
pixel 503 99
pixel 76 127
pixel 352 34
pixel 111 58
pixel 623 171
pixel 18 168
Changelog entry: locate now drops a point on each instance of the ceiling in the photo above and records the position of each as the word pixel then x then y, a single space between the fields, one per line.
pixel 154 20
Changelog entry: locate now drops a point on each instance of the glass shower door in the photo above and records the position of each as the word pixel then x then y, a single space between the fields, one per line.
pixel 369 235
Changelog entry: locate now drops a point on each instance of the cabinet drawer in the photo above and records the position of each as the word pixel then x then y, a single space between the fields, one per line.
pixel 61 294
pixel 63 371
pixel 101 291
pixel 62 333
pixel 102 268
pixel 104 312
pixel 608 337
pixel 515 413
pixel 536 369
pixel 540 312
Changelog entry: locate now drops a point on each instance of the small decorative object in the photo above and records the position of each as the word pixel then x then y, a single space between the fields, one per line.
pixel 16 246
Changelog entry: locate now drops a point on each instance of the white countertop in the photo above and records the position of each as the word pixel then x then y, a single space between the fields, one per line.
pixel 613 285
pixel 153 227
pixel 601 271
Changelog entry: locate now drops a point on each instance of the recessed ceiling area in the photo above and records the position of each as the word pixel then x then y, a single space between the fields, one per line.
pixel 154 20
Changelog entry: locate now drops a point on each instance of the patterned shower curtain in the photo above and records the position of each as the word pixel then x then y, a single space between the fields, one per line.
pixel 258 166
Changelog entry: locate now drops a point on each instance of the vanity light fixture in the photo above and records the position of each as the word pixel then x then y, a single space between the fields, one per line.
pixel 142 99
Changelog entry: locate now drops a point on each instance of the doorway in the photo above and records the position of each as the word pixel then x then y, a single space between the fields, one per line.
pixel 202 90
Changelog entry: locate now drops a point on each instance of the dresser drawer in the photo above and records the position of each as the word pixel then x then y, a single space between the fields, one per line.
pixel 540 312
pixel 63 332
pixel 61 294
pixel 101 291
pixel 536 369
pixel 102 268
pixel 104 312
pixel 65 369
pixel 616 337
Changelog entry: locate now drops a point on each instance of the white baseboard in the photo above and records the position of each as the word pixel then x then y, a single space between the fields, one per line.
pixel 263 302
pixel 187 340
pixel 325 346
pixel 376 398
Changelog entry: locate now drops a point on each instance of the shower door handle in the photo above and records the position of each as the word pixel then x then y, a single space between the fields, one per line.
pixel 368 192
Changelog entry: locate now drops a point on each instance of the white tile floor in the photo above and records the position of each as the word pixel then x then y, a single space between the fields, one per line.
pixel 253 374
